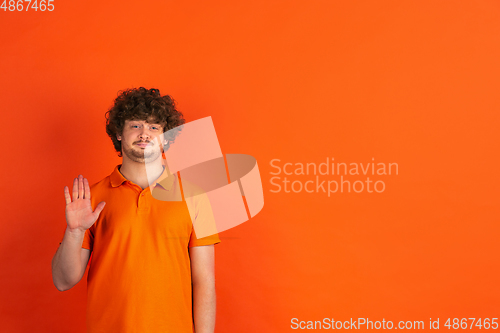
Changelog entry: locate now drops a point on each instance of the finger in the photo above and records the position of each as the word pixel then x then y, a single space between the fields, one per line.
pixel 99 209
pixel 75 188
pixel 66 195
pixel 80 187
pixel 86 194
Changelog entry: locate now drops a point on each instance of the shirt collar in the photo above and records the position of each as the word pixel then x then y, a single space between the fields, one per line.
pixel 164 180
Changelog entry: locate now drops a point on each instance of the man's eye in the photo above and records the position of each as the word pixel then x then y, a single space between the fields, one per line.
pixel 154 128
pixel 135 126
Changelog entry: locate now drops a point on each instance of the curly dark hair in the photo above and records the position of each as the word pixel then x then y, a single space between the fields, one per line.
pixel 143 104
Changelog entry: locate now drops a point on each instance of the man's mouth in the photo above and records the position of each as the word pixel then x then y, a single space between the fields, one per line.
pixel 142 144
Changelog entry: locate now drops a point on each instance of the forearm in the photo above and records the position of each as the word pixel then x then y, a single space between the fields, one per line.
pixel 66 263
pixel 204 306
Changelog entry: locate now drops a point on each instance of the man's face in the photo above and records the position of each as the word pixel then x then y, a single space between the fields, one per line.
pixel 135 138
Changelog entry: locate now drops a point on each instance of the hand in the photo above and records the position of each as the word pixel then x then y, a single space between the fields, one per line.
pixel 79 215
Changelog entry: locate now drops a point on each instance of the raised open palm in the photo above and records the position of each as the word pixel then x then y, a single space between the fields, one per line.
pixel 79 214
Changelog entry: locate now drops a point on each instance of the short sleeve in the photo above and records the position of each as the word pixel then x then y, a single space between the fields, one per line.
pixel 88 239
pixel 209 240
pixel 203 222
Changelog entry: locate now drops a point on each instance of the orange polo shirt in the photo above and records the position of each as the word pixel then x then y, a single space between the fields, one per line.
pixel 139 279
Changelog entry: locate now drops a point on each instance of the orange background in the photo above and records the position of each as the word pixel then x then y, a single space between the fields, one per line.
pixel 408 83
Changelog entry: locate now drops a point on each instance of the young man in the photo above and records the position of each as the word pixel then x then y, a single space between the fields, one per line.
pixel 149 272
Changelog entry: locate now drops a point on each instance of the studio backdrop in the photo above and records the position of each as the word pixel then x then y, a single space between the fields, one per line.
pixel 374 126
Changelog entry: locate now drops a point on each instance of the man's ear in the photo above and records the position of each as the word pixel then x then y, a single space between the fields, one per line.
pixel 118 137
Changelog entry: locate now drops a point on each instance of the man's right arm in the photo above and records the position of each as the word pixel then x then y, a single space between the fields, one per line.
pixel 70 261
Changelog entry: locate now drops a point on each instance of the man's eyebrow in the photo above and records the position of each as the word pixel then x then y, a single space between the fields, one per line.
pixel 147 122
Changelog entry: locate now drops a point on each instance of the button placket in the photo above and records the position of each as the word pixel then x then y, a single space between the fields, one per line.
pixel 142 201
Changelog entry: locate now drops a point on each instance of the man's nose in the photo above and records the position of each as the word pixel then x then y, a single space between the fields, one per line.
pixel 145 133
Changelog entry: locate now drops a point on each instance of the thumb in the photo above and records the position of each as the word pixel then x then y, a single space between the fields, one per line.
pixel 99 208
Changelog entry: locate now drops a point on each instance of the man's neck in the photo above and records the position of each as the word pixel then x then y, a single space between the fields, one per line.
pixel 136 172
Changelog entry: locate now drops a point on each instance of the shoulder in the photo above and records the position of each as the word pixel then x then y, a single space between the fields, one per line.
pixel 192 190
pixel 101 190
pixel 101 185
pixel 195 196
